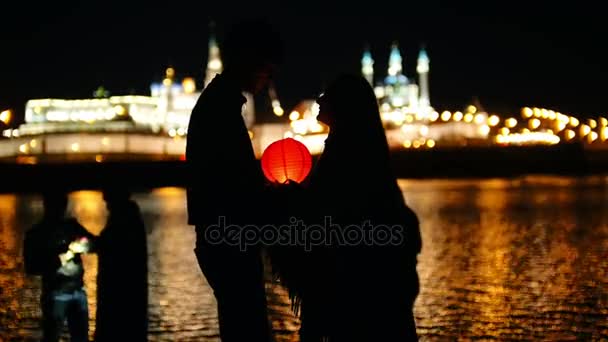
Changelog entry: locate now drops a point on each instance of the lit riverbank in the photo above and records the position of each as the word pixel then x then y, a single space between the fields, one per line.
pixel 472 162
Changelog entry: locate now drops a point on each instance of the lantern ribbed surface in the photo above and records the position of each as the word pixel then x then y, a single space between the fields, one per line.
pixel 286 159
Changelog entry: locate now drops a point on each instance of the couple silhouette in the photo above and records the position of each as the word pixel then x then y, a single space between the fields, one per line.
pixel 343 291
pixel 53 249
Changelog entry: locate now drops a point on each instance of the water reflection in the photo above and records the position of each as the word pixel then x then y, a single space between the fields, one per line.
pixel 503 259
pixel 512 259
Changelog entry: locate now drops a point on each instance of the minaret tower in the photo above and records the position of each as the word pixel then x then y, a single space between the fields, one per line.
pixel 423 76
pixel 395 66
pixel 214 62
pixel 367 66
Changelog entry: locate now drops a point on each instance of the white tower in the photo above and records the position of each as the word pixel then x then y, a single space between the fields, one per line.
pixel 367 66
pixel 423 75
pixel 395 66
pixel 214 62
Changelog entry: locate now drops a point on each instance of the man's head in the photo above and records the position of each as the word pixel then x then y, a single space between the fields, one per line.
pixel 252 52
pixel 55 203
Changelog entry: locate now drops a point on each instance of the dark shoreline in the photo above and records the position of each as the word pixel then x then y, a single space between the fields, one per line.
pixel 472 162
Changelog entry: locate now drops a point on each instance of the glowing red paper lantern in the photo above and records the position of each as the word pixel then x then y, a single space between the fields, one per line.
pixel 286 160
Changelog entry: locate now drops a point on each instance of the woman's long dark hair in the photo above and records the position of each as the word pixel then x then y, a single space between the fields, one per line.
pixel 356 132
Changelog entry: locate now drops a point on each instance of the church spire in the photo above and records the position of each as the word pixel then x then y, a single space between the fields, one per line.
pixel 214 62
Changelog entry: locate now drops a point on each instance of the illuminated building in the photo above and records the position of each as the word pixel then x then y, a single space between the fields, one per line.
pixel 154 125
pixel 397 93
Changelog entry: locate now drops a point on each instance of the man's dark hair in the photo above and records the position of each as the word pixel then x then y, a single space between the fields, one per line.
pixel 252 42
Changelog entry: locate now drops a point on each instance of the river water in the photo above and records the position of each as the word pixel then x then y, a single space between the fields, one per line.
pixel 502 259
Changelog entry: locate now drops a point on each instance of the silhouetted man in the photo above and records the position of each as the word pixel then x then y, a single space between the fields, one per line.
pixel 122 277
pixel 52 249
pixel 225 180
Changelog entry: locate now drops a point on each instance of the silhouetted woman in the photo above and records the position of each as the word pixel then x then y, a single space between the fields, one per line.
pixel 122 278
pixel 364 287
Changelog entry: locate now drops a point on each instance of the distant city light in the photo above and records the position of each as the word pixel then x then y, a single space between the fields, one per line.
pixel 471 109
pixel 120 110
pixel 457 116
pixel 504 131
pixel 574 122
pixel 397 117
pixel 544 113
pixel 299 126
pixel 430 143
pixel 534 123
pixel 479 118
pixel 295 115
pixel 511 122
pixel 592 137
pixel 529 138
pixel 592 123
pixel 584 130
pixel 445 116
pixel 75 147
pixel 189 85
pixel 604 133
pixel 424 130
pixel 316 127
pixel 215 64
pixel 5 116
pixel 563 118
pixel 493 120
pixel 484 129
pixel 569 134
pixel 468 117
pixel 527 112
pixel 434 116
pixel 278 111
pixel 170 72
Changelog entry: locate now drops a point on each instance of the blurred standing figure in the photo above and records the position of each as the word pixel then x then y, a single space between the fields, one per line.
pixel 52 249
pixel 364 289
pixel 225 180
pixel 122 278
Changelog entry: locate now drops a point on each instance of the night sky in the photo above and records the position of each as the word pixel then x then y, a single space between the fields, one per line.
pixel 508 55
